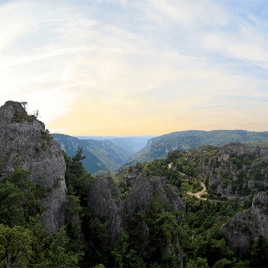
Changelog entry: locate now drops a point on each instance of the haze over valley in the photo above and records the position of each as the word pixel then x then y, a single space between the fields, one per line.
pixel 111 153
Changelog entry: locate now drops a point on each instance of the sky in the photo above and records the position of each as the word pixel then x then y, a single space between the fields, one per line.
pixel 137 67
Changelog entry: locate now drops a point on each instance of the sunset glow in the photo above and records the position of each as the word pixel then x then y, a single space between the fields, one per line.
pixel 145 67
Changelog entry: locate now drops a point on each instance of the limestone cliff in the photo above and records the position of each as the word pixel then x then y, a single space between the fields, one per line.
pixel 24 143
pixel 106 204
pixel 234 171
pixel 246 225
pixel 143 191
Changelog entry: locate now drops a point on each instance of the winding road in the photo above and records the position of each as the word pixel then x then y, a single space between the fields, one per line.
pixel 198 194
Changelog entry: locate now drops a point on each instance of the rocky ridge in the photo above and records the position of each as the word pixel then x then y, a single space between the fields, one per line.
pixel 26 144
pixel 247 225
pixel 106 203
pixel 234 171
pixel 158 147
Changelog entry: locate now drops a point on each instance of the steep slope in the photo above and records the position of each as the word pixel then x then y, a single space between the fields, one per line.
pixel 25 144
pixel 233 170
pixel 129 144
pixel 158 147
pixel 230 171
pixel 100 155
pixel 247 225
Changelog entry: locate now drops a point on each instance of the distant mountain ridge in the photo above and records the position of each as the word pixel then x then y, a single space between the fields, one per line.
pixel 100 155
pixel 183 140
pixel 110 154
pixel 129 144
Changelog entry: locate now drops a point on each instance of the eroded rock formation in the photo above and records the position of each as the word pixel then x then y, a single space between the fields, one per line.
pixel 26 144
pixel 246 225
pixel 105 203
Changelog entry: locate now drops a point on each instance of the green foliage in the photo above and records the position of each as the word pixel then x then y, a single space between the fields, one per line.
pixel 98 156
pixel 18 199
pixel 186 140
pixel 23 117
pixel 71 205
pixel 58 254
pixel 164 232
pixel 190 185
pixel 11 212
pixel 15 246
pixel 223 263
pixel 95 233
pixel 120 248
pixel 134 260
pixel 195 241
pixel 259 252
pixel 77 179
pixel 47 138
pixel 125 189
pixel 99 266
pixel 241 264
pixel 198 263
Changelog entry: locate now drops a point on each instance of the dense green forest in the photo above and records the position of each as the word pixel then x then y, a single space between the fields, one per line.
pixel 83 240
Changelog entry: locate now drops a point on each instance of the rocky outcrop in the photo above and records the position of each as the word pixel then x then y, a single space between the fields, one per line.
pixel 24 143
pixel 234 170
pixel 246 225
pixel 105 203
pixel 143 190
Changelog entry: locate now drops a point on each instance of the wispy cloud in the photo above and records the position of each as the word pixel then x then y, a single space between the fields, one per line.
pixel 189 14
pixel 135 67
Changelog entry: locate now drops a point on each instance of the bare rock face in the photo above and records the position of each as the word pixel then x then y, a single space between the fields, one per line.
pixel 105 203
pixel 139 196
pixel 143 190
pixel 24 143
pixel 246 225
pixel 234 170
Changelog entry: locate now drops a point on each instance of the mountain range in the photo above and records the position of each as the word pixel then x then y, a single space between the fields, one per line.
pixel 110 153
pixel 130 144
pixel 158 147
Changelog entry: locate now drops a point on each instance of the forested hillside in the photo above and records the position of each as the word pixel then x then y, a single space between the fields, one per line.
pixel 184 140
pixel 100 155
pixel 225 190
pixel 129 144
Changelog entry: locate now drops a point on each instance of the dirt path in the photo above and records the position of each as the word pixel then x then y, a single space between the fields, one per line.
pixel 198 194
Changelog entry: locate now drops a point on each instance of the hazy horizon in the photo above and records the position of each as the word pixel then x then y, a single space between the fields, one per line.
pixel 132 68
pixel 151 136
